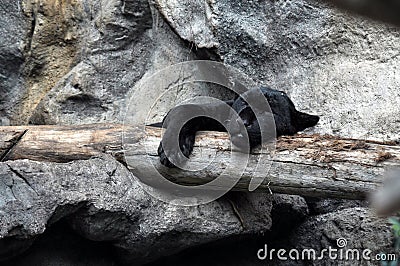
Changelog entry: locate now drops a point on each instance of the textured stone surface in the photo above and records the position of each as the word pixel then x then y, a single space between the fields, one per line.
pixel 287 212
pixel 113 51
pixel 361 229
pixel 194 21
pixel 104 202
pixel 14 29
pixel 124 42
pixel 357 225
pixel 323 206
pixel 341 67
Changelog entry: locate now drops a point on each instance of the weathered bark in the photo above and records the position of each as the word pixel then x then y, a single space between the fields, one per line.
pixel 59 143
pixel 308 165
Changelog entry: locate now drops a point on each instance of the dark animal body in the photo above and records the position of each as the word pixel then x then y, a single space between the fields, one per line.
pixel 287 120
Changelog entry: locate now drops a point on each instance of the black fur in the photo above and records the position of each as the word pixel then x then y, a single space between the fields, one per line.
pixel 288 121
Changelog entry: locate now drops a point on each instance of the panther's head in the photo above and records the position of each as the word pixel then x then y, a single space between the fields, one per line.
pixel 288 120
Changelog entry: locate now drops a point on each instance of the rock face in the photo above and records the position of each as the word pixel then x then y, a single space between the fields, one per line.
pixel 14 29
pixel 111 48
pixel 102 201
pixel 80 61
pixel 353 228
pixel 341 67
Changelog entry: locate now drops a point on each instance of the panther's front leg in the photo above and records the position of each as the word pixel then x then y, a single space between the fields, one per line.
pixel 186 143
pixel 194 117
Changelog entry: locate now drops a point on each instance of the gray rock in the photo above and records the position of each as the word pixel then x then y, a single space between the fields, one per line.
pixel 194 21
pixel 323 206
pixel 361 229
pixel 104 202
pixel 114 51
pixel 358 226
pixel 342 67
pixel 126 45
pixel 332 64
pixel 13 30
pixel 288 211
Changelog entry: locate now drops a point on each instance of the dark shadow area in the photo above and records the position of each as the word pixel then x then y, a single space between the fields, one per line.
pixel 59 245
pixel 232 251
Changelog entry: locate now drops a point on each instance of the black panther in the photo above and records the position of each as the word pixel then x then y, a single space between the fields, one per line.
pixel 288 121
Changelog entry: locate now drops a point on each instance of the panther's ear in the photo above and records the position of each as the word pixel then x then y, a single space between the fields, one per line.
pixel 247 116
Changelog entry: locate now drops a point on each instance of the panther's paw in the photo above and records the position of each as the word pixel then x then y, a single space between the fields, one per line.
pixel 163 158
pixel 178 157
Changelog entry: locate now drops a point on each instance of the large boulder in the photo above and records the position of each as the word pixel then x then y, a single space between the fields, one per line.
pixel 112 48
pixel 348 229
pixel 14 30
pixel 102 201
pixel 339 66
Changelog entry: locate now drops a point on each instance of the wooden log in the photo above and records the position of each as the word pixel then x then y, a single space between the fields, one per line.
pixel 60 143
pixel 307 165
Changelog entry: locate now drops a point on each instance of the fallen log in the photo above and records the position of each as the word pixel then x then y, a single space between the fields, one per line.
pixel 307 165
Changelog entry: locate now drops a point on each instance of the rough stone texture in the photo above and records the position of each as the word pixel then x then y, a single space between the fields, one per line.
pixel 193 20
pixel 358 226
pixel 50 49
pixel 112 48
pixel 120 44
pixel 13 31
pixel 104 202
pixel 323 206
pixel 287 213
pixel 341 67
